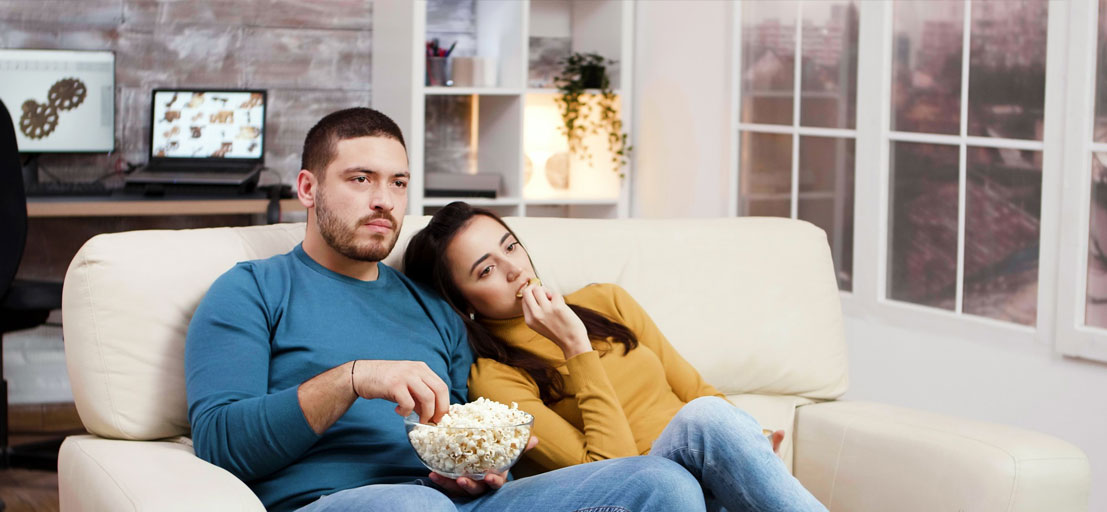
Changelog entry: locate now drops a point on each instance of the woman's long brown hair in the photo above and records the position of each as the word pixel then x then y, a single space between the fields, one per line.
pixel 425 263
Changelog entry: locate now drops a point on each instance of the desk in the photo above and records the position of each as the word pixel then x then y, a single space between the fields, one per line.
pixel 59 225
pixel 129 205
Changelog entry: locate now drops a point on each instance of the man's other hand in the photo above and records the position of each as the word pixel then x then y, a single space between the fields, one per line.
pixel 468 487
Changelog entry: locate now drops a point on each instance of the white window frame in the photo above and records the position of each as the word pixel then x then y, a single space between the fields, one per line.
pixel 1073 337
pixel 868 299
pixel 794 129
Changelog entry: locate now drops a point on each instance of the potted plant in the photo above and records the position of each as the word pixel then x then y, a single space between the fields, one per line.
pixel 579 73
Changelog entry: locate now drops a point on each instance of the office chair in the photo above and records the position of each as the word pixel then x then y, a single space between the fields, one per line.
pixel 23 303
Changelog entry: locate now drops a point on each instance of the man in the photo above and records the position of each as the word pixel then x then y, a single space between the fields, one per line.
pixel 301 367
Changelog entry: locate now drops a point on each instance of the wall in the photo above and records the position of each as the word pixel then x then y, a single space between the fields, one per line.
pixel 682 169
pixel 682 106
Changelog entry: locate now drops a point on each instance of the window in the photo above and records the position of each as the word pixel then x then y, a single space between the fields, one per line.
pixel 1095 296
pixel 1082 269
pixel 797 117
pixel 976 132
pixel 965 166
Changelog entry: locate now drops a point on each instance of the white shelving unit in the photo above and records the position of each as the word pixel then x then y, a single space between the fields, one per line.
pixel 515 127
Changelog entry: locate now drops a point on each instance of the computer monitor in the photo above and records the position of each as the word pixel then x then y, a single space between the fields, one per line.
pixel 61 101
pixel 197 126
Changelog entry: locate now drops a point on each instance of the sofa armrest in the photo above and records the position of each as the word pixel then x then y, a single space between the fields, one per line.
pixel 96 474
pixel 860 456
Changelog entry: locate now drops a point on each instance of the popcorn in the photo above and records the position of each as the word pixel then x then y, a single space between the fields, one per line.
pixel 472 438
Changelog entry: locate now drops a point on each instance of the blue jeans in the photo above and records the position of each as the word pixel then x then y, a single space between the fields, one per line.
pixel 631 484
pixel 722 446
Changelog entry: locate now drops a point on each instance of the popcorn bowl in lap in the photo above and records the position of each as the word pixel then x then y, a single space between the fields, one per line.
pixel 472 439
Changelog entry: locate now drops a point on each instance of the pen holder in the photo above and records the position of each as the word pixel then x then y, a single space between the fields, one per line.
pixel 438 71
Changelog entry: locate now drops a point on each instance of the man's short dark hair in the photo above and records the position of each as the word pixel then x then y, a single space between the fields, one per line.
pixel 322 140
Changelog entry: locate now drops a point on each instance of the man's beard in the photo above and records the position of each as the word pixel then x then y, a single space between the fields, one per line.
pixel 342 238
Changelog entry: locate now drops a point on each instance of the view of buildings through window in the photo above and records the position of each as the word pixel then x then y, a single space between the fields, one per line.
pixel 966 162
pixel 965 152
pixel 798 119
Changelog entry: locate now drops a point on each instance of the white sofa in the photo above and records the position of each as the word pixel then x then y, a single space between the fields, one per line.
pixel 752 303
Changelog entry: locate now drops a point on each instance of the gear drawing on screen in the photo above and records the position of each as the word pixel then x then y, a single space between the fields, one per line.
pixel 67 94
pixel 39 120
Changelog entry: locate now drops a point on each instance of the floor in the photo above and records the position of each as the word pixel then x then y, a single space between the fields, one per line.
pixel 26 490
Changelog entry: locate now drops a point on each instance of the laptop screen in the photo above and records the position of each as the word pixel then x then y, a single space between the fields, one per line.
pixel 223 125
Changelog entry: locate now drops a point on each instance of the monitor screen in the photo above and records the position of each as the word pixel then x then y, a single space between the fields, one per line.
pixel 61 101
pixel 192 124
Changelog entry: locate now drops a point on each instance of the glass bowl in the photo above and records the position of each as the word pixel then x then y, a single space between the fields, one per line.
pixel 467 451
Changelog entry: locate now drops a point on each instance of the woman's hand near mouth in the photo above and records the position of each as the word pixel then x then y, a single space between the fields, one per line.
pixel 530 282
pixel 547 313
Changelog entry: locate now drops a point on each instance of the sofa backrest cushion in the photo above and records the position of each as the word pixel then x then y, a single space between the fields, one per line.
pixel 752 303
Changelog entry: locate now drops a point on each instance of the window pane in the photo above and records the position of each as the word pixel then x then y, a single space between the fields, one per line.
pixel 926 79
pixel 826 197
pixel 766 178
pixel 1096 308
pixel 829 77
pixel 922 262
pixel 768 61
pixel 1002 217
pixel 1007 68
pixel 1101 76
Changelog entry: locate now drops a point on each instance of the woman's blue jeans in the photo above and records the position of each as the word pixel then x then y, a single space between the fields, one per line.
pixel 632 484
pixel 722 446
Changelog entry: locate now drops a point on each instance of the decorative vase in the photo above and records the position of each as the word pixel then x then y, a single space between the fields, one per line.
pixel 557 170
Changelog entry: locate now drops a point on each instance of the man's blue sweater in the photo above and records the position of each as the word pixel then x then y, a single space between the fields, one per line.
pixel 267 326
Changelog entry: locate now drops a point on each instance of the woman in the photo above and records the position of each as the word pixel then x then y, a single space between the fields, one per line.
pixel 597 374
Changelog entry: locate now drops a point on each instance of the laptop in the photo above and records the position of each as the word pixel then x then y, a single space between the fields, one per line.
pixel 203 140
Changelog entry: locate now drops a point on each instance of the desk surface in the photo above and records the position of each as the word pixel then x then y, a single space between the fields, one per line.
pixel 131 205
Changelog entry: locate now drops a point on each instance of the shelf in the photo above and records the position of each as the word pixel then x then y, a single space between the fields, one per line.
pixel 452 128
pixel 551 90
pixel 468 91
pixel 131 206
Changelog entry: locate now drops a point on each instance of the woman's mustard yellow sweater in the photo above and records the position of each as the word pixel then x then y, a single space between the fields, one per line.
pixel 617 402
